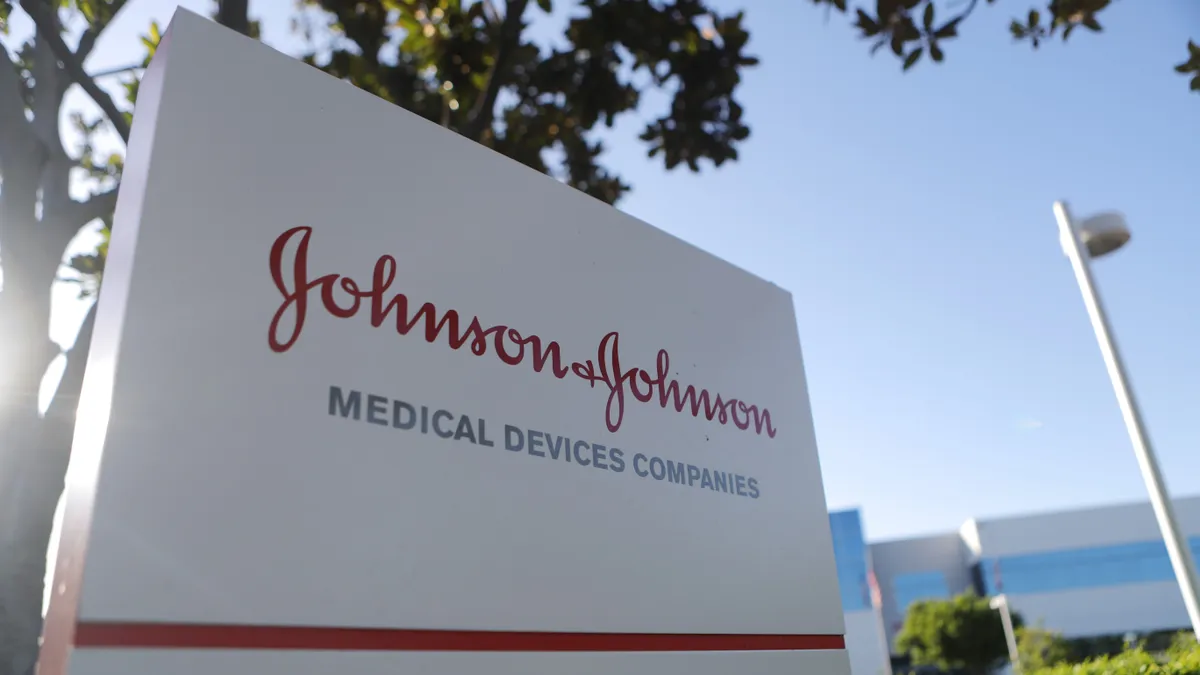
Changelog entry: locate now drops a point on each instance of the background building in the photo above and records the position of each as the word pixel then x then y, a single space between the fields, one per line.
pixel 1086 573
pixel 865 639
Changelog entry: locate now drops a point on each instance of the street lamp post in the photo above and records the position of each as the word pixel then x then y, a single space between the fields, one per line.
pixel 1000 603
pixel 1095 237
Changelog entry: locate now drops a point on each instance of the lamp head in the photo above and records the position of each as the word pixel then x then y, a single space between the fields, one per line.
pixel 1104 233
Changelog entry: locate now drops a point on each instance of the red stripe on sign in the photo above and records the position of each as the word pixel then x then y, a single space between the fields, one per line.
pixel 191 636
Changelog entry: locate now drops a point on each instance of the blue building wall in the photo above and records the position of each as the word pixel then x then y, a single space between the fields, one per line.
pixel 1085 572
pixel 914 586
pixel 1094 567
pixel 1043 572
pixel 850 552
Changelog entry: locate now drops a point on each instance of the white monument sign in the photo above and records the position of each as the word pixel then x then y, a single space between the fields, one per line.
pixel 365 397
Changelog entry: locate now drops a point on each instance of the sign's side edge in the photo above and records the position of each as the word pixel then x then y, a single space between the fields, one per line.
pixel 92 413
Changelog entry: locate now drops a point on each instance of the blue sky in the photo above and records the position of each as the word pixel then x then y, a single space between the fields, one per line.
pixel 951 364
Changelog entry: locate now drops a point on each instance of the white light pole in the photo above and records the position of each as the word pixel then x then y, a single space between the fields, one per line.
pixel 1000 602
pixel 1094 237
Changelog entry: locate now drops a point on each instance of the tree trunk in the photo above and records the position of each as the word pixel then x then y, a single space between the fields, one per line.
pixel 36 497
pixel 35 449
pixel 32 251
pixel 29 271
pixel 234 14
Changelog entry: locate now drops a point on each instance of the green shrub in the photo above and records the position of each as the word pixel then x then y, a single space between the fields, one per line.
pixel 962 634
pixel 1040 649
pixel 1183 644
pixel 1181 659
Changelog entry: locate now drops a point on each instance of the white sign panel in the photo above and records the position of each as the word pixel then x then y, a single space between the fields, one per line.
pixel 367 397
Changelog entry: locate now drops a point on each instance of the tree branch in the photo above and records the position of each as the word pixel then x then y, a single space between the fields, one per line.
pixel 490 9
pixel 234 14
pixel 47 27
pixel 51 85
pixel 87 42
pixel 120 70
pixel 966 11
pixel 484 111
pixel 45 94
pixel 99 205
pixel 17 137
pixel 66 396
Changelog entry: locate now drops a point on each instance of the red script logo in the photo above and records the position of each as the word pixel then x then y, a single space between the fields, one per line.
pixel 510 346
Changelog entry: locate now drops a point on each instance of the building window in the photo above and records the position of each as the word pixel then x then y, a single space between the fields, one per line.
pixel 1099 566
pixel 909 588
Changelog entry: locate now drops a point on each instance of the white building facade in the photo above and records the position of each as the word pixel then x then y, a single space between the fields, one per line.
pixel 1085 573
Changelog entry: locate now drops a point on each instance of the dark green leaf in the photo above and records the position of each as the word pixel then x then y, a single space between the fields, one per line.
pixel 913 57
pixel 1195 86
pixel 452 62
pixel 949 30
pixel 928 19
pixel 866 24
pixel 907 30
pixel 1091 23
pixel 1035 18
pixel 1017 30
pixel 935 52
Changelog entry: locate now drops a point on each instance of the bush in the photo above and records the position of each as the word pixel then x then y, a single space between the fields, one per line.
pixel 962 634
pixel 1183 643
pixel 1040 649
pixel 1182 659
